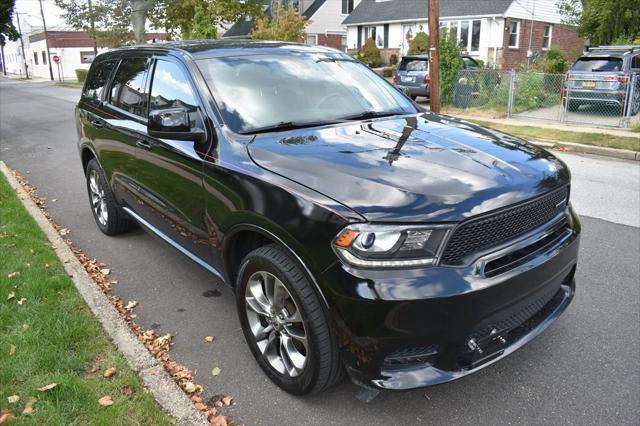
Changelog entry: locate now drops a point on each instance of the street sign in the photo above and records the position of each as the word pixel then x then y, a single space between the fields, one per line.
pixel 56 59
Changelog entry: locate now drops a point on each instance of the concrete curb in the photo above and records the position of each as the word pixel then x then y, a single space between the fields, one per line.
pixel 165 391
pixel 623 154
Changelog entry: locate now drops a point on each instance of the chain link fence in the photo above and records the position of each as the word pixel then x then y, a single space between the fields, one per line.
pixel 595 100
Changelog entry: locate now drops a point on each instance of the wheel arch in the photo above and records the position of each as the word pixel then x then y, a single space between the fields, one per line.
pixel 244 238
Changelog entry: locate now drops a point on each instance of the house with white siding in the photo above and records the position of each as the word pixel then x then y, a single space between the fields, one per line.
pixel 504 33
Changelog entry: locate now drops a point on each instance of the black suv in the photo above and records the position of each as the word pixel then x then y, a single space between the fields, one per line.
pixel 605 75
pixel 358 233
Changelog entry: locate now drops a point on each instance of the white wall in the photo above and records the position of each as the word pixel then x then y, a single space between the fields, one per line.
pixel 539 10
pixel 328 19
pixel 70 60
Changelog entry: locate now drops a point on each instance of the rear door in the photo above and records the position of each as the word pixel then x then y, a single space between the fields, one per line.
pixel 125 124
pixel 169 172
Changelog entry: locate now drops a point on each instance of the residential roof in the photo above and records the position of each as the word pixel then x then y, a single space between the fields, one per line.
pixel 311 10
pixel 370 11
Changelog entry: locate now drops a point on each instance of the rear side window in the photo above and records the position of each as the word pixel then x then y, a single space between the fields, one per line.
pixel 635 63
pixel 128 90
pixel 98 78
pixel 598 64
pixel 413 65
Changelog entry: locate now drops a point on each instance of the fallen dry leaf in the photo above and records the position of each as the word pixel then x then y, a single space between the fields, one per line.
pixel 216 371
pixel 209 339
pixel 105 401
pixel 13 275
pixel 22 301
pixel 6 416
pixel 11 295
pixel 64 231
pixel 47 387
pixel 13 399
pixel 105 271
pixel 132 304
pixel 218 420
pixel 53 200
pixel 12 349
pixel 110 372
pixel 226 400
pixel 28 407
pixel 127 390
pixel 427 397
pixel 200 406
pixel 190 387
pixel 25 326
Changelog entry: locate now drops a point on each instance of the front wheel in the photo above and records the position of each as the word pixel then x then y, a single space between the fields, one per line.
pixel 284 322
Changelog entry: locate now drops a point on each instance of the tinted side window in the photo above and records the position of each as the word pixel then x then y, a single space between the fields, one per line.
pixel 171 89
pixel 98 78
pixel 635 63
pixel 128 89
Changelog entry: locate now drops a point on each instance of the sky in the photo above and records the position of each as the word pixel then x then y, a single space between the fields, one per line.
pixel 30 10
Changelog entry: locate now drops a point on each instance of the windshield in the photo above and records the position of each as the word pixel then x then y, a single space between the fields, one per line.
pixel 597 64
pixel 259 91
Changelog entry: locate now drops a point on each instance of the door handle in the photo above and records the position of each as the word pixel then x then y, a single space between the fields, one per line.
pixel 144 144
pixel 97 123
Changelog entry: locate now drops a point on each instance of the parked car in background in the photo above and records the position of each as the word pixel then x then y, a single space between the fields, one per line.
pixel 358 233
pixel 412 74
pixel 603 76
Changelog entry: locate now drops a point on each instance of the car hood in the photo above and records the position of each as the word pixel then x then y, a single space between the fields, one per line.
pixel 415 168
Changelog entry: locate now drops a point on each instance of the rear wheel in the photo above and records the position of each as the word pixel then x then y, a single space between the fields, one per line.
pixel 414 97
pixel 284 322
pixel 108 215
pixel 572 106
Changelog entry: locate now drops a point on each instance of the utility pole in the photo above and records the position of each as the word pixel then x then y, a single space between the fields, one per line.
pixel 24 57
pixel 434 55
pixel 93 29
pixel 46 40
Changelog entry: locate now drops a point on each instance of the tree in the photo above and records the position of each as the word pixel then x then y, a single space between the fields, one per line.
pixel 286 25
pixel 603 21
pixel 419 45
pixel 201 26
pixel 106 21
pixel 7 30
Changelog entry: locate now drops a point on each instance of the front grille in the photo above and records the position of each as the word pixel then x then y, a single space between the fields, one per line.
pixel 477 234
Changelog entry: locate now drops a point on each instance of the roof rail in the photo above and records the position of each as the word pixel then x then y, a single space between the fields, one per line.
pixel 630 48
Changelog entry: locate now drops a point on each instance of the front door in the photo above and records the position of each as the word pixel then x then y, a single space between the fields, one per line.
pixel 169 172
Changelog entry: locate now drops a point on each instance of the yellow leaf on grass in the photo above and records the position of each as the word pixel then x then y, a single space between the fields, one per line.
pixel 11 295
pixel 12 349
pixel 13 399
pixel 6 416
pixel 25 326
pixel 110 372
pixel 47 387
pixel 22 301
pixel 105 401
pixel 13 275
pixel 28 407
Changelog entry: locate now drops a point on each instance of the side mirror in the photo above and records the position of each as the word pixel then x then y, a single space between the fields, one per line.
pixel 172 123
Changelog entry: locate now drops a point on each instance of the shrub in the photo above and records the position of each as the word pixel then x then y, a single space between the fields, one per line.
pixel 387 72
pixel 450 66
pixel 81 74
pixel 393 59
pixel 370 54
pixel 555 61
pixel 419 44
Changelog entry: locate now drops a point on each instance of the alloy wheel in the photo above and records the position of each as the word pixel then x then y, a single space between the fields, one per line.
pixel 276 324
pixel 98 202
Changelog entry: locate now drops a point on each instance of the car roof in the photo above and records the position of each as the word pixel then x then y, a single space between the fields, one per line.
pixel 619 51
pixel 223 47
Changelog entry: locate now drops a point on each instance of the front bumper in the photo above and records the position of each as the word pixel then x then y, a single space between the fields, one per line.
pixel 407 329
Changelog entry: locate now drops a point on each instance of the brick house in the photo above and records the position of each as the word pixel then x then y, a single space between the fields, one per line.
pixel 500 32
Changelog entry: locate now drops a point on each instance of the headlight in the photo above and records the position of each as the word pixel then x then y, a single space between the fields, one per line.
pixel 390 246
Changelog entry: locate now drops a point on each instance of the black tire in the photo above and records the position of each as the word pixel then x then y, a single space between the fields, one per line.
pixel 116 221
pixel 323 367
pixel 414 97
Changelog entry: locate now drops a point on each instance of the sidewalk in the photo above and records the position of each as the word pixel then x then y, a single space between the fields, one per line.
pixel 20 77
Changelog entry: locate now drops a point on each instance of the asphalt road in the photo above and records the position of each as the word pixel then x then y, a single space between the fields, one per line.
pixel 584 370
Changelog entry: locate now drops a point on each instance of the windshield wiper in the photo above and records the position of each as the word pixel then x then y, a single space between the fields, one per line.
pixel 289 125
pixel 370 114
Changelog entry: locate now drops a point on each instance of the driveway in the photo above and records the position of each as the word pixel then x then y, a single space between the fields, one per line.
pixel 583 370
